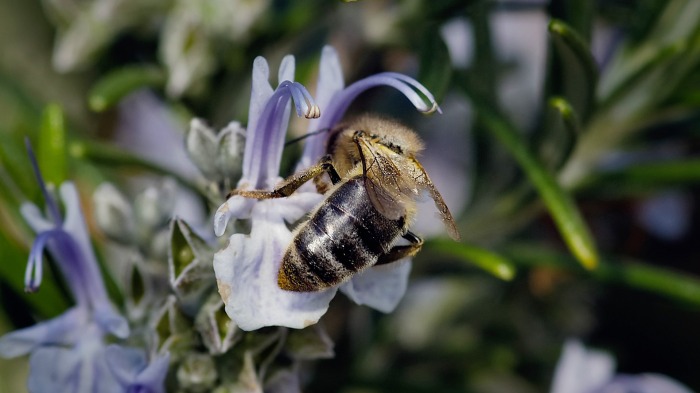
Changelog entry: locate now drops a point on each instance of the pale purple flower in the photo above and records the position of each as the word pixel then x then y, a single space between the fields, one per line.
pixel 133 373
pixel 581 370
pixel 247 268
pixel 68 353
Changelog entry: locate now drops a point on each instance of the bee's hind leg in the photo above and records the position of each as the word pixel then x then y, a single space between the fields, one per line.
pixel 400 252
pixel 293 182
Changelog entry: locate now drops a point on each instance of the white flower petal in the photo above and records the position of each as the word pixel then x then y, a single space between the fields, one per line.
pixel 380 287
pixel 246 272
pixel 235 207
pixel 330 76
pixel 286 71
pixel 581 370
pixel 261 91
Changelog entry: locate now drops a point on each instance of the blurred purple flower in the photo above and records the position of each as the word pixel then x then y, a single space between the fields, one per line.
pixel 587 371
pixel 247 268
pixel 68 353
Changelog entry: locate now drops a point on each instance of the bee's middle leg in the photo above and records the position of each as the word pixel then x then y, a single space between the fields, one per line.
pixel 400 252
pixel 293 182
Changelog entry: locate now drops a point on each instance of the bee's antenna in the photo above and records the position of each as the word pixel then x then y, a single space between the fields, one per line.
pixel 308 134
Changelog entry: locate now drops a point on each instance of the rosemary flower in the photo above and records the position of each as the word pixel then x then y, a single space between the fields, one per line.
pixel 247 268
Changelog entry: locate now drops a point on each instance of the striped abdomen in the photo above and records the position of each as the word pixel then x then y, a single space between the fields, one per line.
pixel 344 236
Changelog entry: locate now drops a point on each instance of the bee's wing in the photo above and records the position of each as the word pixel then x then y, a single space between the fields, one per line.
pixel 424 182
pixel 384 198
pixel 387 187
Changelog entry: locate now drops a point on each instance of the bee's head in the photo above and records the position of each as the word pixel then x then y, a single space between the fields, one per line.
pixel 389 133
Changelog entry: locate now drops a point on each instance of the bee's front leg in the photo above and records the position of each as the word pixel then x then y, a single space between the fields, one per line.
pixel 293 182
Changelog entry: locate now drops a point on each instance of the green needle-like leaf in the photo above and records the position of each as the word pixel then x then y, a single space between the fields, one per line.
pixel 560 133
pixel 560 204
pixel 644 178
pixel 52 145
pixel 493 263
pixel 112 88
pixel 635 274
pixel 641 64
pixel 579 71
pixel 567 115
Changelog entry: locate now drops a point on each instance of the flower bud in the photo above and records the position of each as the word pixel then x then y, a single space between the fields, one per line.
pixel 201 146
pixel 154 206
pixel 113 214
pixel 229 155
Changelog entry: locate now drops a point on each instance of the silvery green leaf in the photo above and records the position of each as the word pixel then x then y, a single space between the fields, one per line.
pixel 197 373
pixel 189 263
pixel 172 329
pixel 135 292
pixel 113 214
pixel 229 156
pixel 144 284
pixel 310 343
pixel 219 333
pixel 200 142
pixel 190 247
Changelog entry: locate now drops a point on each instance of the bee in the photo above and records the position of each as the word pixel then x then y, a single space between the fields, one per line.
pixel 376 181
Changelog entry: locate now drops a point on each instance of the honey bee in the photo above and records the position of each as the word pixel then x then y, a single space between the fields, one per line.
pixel 376 181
